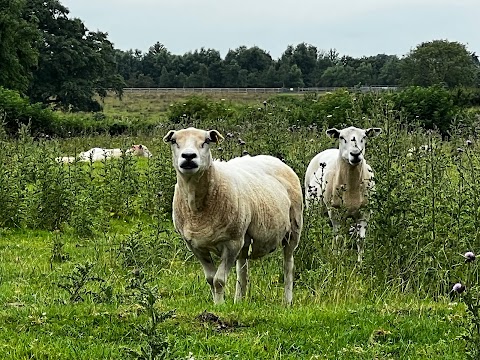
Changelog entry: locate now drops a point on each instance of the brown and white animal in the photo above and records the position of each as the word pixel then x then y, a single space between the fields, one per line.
pixel 139 150
pixel 241 209
pixel 342 179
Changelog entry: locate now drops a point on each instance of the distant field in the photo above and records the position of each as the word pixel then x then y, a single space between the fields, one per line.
pixel 158 102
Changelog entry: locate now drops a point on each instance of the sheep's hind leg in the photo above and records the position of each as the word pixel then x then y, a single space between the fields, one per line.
pixel 290 243
pixel 242 273
pixel 242 269
pixel 288 268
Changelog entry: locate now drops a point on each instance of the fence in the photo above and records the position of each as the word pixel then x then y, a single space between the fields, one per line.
pixel 375 88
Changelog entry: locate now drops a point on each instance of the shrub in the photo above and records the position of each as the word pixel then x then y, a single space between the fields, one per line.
pixel 18 110
pixel 199 108
pixel 433 107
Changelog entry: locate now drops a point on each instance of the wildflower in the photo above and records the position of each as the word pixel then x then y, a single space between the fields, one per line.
pixel 265 103
pixel 229 135
pixel 241 142
pixel 460 150
pixel 329 116
pixel 469 142
pixel 136 272
pixel 469 256
pixel 245 152
pixel 458 288
pixel 220 149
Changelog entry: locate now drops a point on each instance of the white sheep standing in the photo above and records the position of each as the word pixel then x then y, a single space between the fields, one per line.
pixel 241 209
pixel 341 179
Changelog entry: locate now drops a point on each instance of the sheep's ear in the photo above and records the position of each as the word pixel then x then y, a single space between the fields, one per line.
pixel 333 133
pixel 215 136
pixel 168 138
pixel 372 132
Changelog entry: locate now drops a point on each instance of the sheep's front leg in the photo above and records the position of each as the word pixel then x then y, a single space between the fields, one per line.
pixel 362 228
pixel 337 241
pixel 229 255
pixel 208 266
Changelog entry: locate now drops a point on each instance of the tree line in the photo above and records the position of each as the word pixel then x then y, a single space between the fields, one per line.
pixel 303 65
pixel 52 58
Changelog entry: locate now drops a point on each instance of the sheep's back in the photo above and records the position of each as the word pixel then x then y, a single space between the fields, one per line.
pixel 269 189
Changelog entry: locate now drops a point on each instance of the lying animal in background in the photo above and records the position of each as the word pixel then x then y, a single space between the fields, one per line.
pixel 99 154
pixel 241 209
pixel 341 180
pixel 102 154
pixel 139 150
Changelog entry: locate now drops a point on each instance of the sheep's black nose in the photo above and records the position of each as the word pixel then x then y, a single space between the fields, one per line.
pixel 189 156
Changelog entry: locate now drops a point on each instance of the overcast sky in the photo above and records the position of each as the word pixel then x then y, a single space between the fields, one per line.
pixel 353 27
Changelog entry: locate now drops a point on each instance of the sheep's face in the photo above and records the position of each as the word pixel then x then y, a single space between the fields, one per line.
pixel 191 149
pixel 139 150
pixel 352 142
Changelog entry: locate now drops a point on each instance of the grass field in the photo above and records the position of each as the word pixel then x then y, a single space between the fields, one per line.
pixel 91 267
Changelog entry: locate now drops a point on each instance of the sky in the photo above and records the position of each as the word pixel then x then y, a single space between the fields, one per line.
pixel 353 27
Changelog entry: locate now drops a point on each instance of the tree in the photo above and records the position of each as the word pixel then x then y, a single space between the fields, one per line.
pixel 294 77
pixel 74 63
pixel 129 64
pixel 390 72
pixel 364 74
pixel 305 57
pixel 18 55
pixel 439 62
pixel 339 75
pixel 250 59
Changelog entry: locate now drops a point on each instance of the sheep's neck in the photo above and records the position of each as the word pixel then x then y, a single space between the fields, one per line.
pixel 350 176
pixel 196 189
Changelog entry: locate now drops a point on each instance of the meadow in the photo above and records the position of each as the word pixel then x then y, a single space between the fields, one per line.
pixel 92 268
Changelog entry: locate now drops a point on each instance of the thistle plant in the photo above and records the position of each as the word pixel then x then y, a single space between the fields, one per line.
pixel 469 293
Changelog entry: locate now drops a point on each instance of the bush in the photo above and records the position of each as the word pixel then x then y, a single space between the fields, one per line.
pixel 199 108
pixel 433 107
pixel 18 110
pixel 97 123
